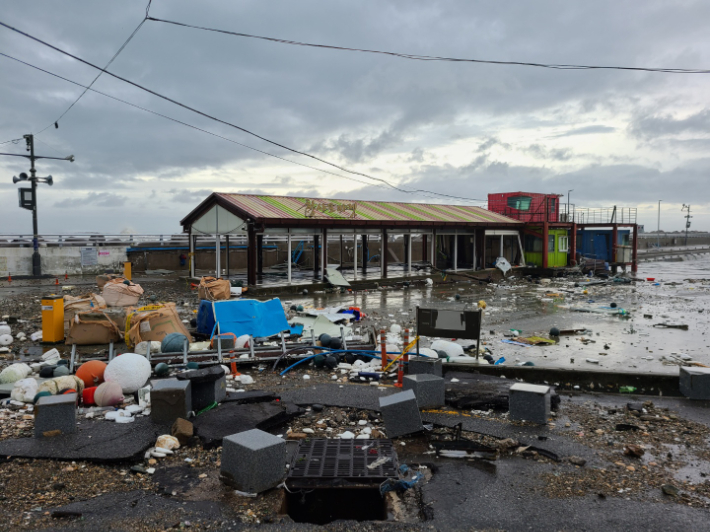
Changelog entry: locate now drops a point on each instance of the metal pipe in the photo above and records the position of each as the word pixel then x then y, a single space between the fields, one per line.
pixel 184 351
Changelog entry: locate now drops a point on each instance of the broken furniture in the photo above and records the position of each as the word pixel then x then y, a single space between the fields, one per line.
pixel 170 399
pixel 55 415
pixel 429 390
pixel 529 402
pixel 253 461
pixel 695 382
pixel 401 414
pixel 419 365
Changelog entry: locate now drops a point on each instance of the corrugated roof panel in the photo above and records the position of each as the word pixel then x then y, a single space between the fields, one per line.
pixel 294 208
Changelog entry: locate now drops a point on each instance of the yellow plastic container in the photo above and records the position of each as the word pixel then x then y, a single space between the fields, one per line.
pixel 53 319
pixel 127 270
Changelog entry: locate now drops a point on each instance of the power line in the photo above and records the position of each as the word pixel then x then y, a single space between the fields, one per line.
pixel 419 57
pixel 187 125
pixel 201 113
pixel 56 122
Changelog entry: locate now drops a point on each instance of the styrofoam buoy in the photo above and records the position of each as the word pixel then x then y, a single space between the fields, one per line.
pixel 130 370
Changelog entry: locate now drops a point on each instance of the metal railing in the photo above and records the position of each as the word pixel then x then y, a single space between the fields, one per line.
pixel 607 215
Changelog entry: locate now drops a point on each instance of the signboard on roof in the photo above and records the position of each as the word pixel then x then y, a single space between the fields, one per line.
pixel 313 208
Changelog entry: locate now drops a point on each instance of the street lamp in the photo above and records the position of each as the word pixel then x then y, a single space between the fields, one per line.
pixel 28 196
pixel 658 231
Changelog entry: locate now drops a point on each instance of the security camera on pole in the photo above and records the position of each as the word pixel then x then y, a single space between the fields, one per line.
pixel 28 196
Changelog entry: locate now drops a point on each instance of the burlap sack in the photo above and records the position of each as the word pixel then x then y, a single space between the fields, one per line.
pixel 213 289
pixel 75 304
pixel 154 325
pixel 92 327
pixel 118 294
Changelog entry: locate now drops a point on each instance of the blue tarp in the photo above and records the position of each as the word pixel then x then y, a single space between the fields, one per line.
pixel 248 316
pixel 205 317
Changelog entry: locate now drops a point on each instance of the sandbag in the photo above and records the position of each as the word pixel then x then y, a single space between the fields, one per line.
pixel 101 280
pixel 155 325
pixel 92 327
pixel 24 390
pixel 213 289
pixel 57 384
pixel 73 304
pixel 118 294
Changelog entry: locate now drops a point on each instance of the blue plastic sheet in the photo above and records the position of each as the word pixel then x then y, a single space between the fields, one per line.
pixel 205 317
pixel 248 316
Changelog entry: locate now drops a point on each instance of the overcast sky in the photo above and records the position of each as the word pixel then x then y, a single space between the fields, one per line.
pixel 615 137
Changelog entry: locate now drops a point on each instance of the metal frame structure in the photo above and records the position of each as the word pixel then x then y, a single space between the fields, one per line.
pixel 259 222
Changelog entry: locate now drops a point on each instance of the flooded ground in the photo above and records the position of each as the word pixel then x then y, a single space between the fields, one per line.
pixel 679 295
pixel 631 343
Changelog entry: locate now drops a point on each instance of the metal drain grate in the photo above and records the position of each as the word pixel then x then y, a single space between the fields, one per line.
pixel 323 459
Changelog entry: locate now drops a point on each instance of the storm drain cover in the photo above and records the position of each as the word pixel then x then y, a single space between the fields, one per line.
pixel 324 461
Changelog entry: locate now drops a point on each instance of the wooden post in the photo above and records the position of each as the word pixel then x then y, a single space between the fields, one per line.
pixel 341 251
pixel 408 240
pixel 324 254
pixel 259 254
pixel 316 255
pixel 635 249
pixel 614 245
pixel 384 250
pixel 433 248
pixel 573 245
pixel 192 253
pixel 456 252
pixel 226 257
pixel 217 255
pixel 289 257
pixel 365 253
pixel 545 234
pixel 251 256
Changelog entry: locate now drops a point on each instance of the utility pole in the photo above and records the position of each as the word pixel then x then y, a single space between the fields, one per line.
pixel 687 221
pixel 36 263
pixel 31 202
pixel 658 232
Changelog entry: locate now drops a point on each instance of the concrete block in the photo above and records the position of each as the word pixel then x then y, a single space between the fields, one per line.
pixel 695 383
pixel 170 399
pixel 401 414
pixel 428 389
pixel 209 385
pixel 529 402
pixel 425 366
pixel 55 415
pixel 253 461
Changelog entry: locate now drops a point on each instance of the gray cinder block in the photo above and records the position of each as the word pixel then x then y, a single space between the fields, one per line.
pixel 529 402
pixel 170 399
pixel 253 461
pixel 401 414
pixel 425 365
pixel 55 413
pixel 428 389
pixel 209 385
pixel 695 382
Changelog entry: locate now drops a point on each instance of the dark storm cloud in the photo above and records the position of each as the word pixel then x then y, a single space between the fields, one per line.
pixel 353 108
pixel 654 126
